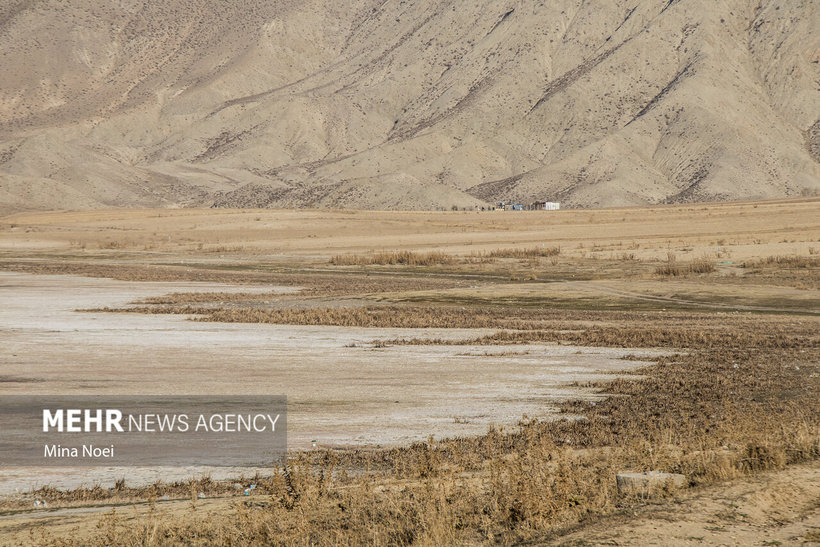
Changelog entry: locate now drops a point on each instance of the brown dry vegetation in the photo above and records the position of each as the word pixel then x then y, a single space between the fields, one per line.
pixel 635 337
pixel 795 271
pixel 381 317
pixel 790 261
pixel 698 266
pixel 434 258
pixel 407 258
pixel 618 329
pixel 122 493
pixel 531 252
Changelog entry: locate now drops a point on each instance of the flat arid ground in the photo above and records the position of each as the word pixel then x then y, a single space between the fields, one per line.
pixel 469 377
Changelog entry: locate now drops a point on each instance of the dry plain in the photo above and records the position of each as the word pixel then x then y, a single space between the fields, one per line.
pixel 439 323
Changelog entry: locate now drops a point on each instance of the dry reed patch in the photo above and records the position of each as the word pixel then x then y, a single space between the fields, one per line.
pixel 437 258
pixel 121 492
pixel 376 317
pixel 791 261
pixel 800 272
pixel 407 258
pixel 520 253
pixel 671 268
pixel 702 265
pixel 452 316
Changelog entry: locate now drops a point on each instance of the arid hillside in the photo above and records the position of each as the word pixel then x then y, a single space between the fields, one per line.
pixel 406 104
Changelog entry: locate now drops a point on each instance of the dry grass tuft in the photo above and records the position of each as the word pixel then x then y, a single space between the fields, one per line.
pixel 702 265
pixel 671 268
pixel 532 252
pixel 668 270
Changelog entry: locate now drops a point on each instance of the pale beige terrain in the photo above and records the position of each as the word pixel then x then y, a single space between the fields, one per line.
pixel 406 105
pixel 732 231
pixel 780 508
pixel 360 386
pixel 621 242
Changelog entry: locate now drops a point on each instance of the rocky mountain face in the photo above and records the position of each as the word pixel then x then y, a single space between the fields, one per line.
pixel 406 104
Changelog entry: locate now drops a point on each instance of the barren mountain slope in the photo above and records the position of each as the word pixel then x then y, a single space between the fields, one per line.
pixel 406 104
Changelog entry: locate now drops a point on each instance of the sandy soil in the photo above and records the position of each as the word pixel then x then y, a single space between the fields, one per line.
pixel 778 508
pixel 729 232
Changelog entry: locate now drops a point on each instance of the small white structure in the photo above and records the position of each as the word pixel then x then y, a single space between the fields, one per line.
pixel 546 206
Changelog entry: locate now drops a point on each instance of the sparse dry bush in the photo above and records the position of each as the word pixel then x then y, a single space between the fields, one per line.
pixel 668 269
pixel 377 317
pixel 647 336
pixel 702 265
pixel 522 326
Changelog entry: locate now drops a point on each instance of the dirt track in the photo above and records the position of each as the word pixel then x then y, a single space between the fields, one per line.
pixel 779 508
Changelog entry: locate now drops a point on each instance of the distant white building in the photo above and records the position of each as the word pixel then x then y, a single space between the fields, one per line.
pixel 546 206
pixel 534 206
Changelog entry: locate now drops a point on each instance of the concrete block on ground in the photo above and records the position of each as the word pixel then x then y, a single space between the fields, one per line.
pixel 646 482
